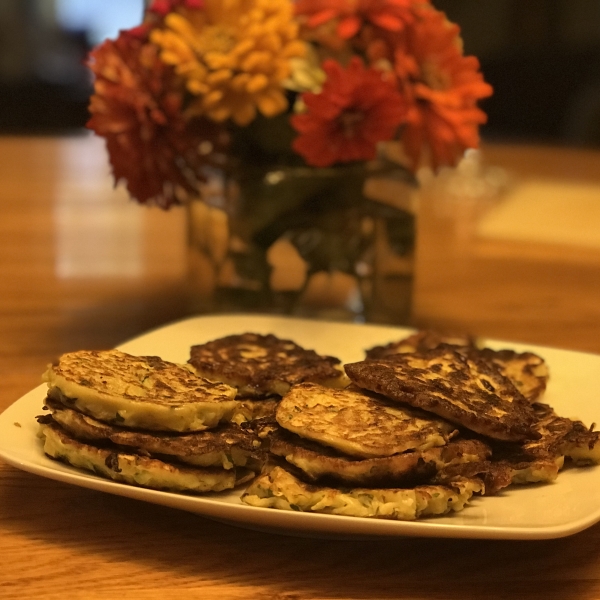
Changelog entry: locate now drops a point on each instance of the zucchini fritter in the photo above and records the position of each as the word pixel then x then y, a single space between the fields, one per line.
pixel 563 437
pixel 263 365
pixel 464 389
pixel 138 391
pixel 528 371
pixel 359 423
pixel 320 463
pixel 226 446
pixel 278 488
pixel 135 469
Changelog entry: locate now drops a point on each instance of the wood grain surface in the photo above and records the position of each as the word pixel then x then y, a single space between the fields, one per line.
pixel 82 267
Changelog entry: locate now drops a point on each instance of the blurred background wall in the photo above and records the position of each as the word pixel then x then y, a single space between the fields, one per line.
pixel 543 59
pixel 44 84
pixel 541 56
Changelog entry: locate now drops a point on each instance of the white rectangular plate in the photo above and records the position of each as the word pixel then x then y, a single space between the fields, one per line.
pixel 567 506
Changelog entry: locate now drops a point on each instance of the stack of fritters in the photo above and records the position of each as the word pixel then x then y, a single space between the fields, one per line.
pixel 557 440
pixel 147 422
pixel 494 393
pixel 332 440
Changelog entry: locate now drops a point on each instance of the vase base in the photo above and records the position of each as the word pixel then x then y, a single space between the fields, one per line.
pixel 392 307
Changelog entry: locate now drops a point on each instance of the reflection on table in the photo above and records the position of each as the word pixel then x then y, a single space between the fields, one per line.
pixel 511 247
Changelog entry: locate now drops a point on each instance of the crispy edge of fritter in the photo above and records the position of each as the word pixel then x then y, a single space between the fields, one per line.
pixel 278 488
pixel 582 445
pixel 320 463
pixel 499 474
pixel 227 446
pixel 534 461
pixel 561 436
pixel 426 339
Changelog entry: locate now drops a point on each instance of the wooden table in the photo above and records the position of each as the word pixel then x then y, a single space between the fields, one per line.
pixel 81 267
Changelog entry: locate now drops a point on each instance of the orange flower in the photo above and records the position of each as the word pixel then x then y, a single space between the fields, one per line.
pixel 442 87
pixel 356 109
pixel 389 15
pixel 136 106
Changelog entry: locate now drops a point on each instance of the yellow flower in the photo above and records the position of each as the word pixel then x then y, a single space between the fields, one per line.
pixel 306 73
pixel 234 56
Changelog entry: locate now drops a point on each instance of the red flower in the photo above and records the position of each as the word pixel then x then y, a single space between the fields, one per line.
pixel 356 109
pixel 137 107
pixel 442 87
pixel 389 15
pixel 164 7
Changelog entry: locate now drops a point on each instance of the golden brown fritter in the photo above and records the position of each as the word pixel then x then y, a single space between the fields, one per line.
pixel 263 365
pixel 528 371
pixel 563 437
pixel 498 474
pixel 226 446
pixel 134 469
pixel 533 461
pixel 320 463
pixel 138 391
pixel 278 488
pixel 358 423
pixel 461 388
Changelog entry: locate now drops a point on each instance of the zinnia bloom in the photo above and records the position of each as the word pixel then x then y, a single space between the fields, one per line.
pixel 356 109
pixel 442 87
pixel 234 56
pixel 389 15
pixel 136 106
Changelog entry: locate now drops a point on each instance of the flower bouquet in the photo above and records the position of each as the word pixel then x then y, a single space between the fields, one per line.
pixel 266 117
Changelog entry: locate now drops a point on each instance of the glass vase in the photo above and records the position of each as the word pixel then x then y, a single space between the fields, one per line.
pixel 334 243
